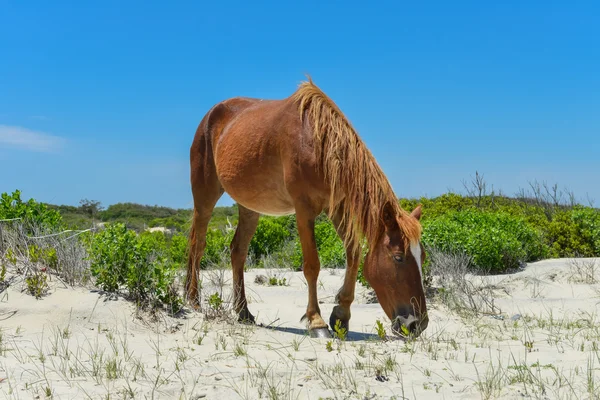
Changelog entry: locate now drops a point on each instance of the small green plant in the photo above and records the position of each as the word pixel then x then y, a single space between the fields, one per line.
pixel 339 331
pixel 362 350
pixel 405 332
pixel 200 338
pixel 380 330
pixel 11 257
pixel 46 256
pixel 37 284
pixel 223 342
pixel 2 272
pixel 296 344
pixel 329 346
pixel 66 333
pixel 215 301
pixel 112 369
pixel 275 281
pixel 239 350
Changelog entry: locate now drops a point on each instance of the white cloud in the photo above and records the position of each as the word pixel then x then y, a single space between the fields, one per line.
pixel 26 139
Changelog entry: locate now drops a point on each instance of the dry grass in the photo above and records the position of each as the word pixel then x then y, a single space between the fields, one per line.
pixel 457 289
pixel 30 256
pixel 584 270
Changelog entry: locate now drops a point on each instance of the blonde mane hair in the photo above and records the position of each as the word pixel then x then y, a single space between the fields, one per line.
pixel 350 169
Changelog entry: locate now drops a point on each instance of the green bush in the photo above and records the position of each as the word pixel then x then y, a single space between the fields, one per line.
pixel 588 221
pixel 112 256
pixel 270 236
pixel 31 212
pixel 332 253
pixel 217 244
pixel 574 233
pixel 119 257
pixel 439 206
pixel 178 248
pixel 496 241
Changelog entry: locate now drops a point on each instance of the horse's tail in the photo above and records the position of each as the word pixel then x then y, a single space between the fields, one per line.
pixel 193 262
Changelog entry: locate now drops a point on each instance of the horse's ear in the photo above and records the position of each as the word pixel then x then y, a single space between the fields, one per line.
pixel 388 216
pixel 417 212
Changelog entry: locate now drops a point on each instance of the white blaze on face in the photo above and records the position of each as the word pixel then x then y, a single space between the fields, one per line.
pixel 415 249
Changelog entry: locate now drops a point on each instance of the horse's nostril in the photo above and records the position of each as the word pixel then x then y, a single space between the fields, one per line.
pixel 403 326
pixel 412 326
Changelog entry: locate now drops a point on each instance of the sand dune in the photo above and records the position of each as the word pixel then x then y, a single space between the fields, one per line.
pixel 76 344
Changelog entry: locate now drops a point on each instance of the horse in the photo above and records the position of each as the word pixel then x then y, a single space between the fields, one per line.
pixel 300 155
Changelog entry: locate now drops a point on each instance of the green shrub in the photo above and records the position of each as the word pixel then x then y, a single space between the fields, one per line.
pixel 112 255
pixel 119 257
pixel 31 212
pixel 496 241
pixel 574 233
pixel 588 221
pixel 270 236
pixel 153 278
pixel 332 253
pixel 361 274
pixel 436 207
pixel 178 248
pixel 217 244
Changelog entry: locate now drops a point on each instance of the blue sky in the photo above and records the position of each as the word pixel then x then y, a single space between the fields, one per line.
pixel 102 101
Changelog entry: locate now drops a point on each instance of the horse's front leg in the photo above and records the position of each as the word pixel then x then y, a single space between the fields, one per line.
pixel 345 296
pixel 306 230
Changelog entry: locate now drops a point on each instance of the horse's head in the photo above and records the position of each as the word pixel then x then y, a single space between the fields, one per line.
pixel 393 268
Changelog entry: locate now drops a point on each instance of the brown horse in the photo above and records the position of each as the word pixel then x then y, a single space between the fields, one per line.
pixel 301 155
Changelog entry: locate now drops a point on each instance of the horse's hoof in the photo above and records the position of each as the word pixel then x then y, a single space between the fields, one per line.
pixel 246 318
pixel 319 333
pixel 194 305
pixel 247 321
pixel 343 324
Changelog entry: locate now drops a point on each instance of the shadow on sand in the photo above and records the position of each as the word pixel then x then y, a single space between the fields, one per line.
pixel 350 337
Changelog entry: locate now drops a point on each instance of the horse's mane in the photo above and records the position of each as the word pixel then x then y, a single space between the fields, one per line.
pixel 350 169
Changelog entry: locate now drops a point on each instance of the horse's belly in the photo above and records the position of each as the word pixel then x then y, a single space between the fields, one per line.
pixel 254 180
pixel 255 193
pixel 266 203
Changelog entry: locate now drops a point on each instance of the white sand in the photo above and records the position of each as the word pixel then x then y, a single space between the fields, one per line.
pixel 75 344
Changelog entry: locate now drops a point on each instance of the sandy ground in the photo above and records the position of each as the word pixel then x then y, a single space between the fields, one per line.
pixel 76 344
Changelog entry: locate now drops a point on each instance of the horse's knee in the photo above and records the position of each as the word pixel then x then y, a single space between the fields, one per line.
pixel 311 271
pixel 344 299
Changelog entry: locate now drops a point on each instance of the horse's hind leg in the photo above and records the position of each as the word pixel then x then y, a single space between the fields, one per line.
pixel 248 221
pixel 204 202
pixel 345 296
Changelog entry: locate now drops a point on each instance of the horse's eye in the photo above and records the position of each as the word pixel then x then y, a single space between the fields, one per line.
pixel 398 257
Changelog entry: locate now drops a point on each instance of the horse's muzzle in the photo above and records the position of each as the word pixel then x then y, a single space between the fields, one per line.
pixel 412 325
